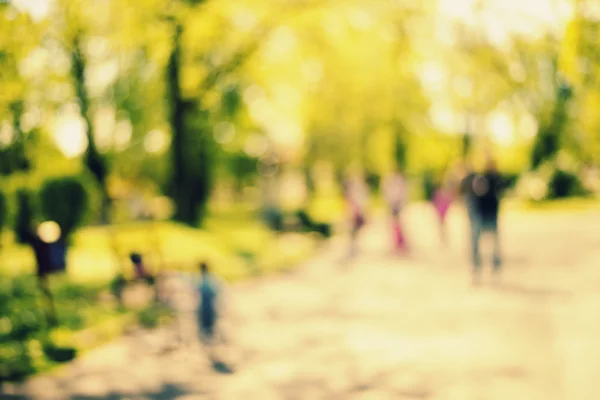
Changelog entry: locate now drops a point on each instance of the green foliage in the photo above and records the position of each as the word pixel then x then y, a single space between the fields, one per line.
pixel 549 139
pixel 3 211
pixel 231 101
pixel 20 321
pixel 97 165
pixel 373 181
pixel 355 89
pixel 510 180
pixel 242 168
pixel 551 182
pixel 13 159
pixel 26 344
pixel 400 151
pixel 25 215
pixel 545 147
pixel 65 201
pixel 564 184
pixel 16 362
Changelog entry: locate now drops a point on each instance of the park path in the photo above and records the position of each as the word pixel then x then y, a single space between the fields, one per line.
pixel 383 327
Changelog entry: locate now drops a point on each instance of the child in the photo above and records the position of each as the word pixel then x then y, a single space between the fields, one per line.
pixel 208 291
pixel 210 304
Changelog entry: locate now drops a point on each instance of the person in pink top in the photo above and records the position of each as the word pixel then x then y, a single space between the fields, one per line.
pixel 442 200
pixel 357 197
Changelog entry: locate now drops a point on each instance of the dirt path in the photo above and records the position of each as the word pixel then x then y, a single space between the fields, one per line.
pixel 386 328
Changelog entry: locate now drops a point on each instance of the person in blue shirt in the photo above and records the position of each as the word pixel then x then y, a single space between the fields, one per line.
pixel 210 303
pixel 208 290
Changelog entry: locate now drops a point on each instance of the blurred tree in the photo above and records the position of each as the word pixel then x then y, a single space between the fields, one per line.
pixel 356 85
pixel 94 161
pixel 564 184
pixel 549 138
pixel 580 63
pixel 400 147
pixel 3 214
pixel 13 157
pixel 243 168
pixel 192 144
pixel 18 37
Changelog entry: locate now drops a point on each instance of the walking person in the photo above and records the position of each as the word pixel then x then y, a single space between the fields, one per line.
pixel 208 314
pixel 483 193
pixel 357 196
pixel 395 193
pixel 443 198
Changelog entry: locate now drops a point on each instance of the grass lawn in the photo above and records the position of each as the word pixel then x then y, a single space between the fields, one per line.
pixel 236 243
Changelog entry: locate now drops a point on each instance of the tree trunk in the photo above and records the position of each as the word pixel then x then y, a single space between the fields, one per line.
pixel 191 145
pixel 180 190
pixel 400 148
pixel 94 161
pixel 190 151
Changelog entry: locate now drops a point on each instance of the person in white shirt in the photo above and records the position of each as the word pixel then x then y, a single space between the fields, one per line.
pixel 395 194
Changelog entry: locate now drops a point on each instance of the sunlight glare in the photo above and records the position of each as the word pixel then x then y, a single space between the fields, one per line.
pixel 501 127
pixel 69 135
pixel 49 232
pixel 38 9
pixel 156 142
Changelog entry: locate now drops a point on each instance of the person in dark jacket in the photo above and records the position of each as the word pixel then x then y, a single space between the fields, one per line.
pixel 483 195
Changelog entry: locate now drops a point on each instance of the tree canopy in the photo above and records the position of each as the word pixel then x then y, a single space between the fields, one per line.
pixel 177 95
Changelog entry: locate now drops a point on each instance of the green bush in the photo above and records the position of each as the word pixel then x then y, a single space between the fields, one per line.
pixel 25 215
pixel 564 184
pixel 15 362
pixel 64 200
pixel 21 320
pixel 26 345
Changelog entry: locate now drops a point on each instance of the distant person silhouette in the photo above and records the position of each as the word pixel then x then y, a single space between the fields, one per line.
pixel 443 198
pixel 357 196
pixel 141 272
pixel 208 312
pixel 208 315
pixel 208 291
pixel 50 258
pixel 395 194
pixel 483 193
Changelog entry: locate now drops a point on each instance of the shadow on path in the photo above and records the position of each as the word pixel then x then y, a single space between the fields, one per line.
pixel 166 392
